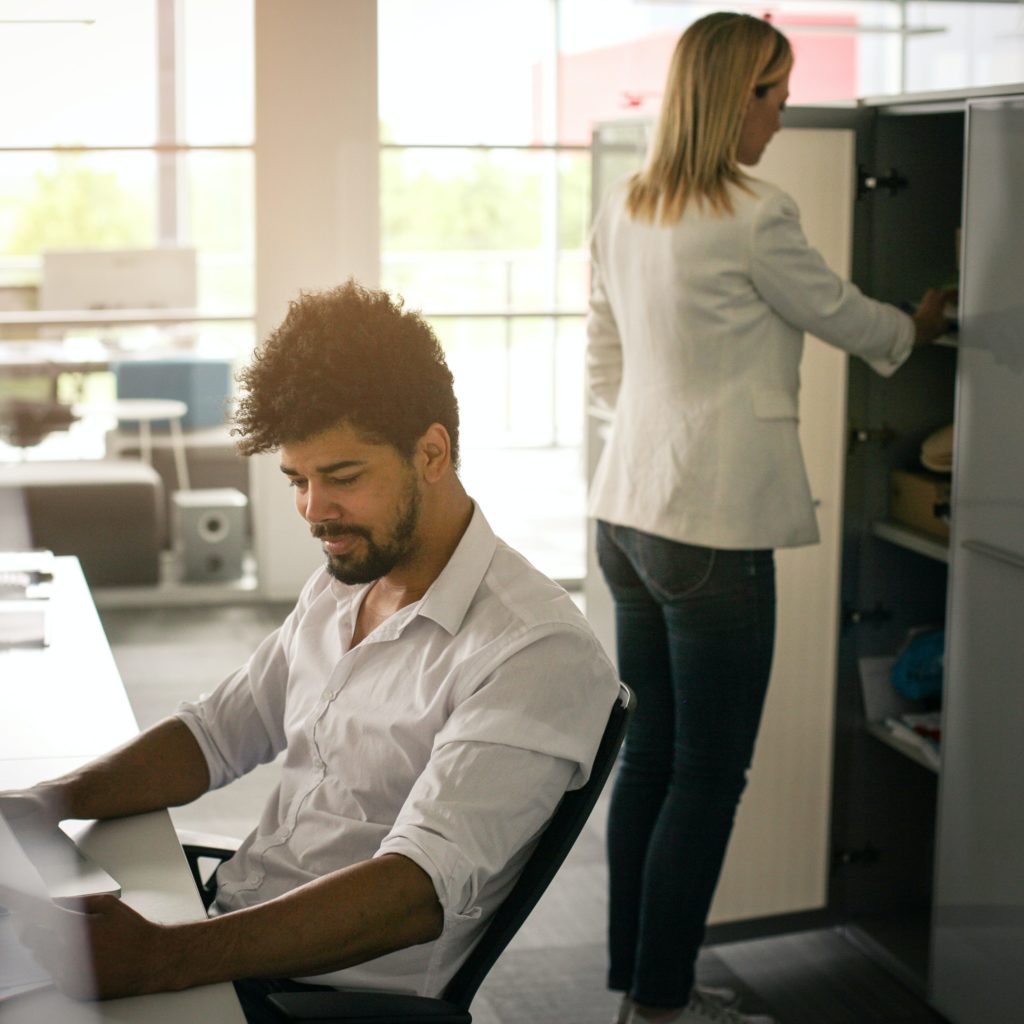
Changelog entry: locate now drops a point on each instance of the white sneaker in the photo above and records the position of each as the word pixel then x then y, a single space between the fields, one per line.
pixel 718 994
pixel 702 1010
pixel 710 993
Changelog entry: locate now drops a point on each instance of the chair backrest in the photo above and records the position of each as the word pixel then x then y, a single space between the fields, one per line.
pixel 551 850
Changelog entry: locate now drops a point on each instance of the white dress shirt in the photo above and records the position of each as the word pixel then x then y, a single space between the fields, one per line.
pixel 695 335
pixel 448 735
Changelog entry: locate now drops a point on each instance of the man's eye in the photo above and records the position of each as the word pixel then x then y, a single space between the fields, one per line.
pixel 344 481
pixel 295 482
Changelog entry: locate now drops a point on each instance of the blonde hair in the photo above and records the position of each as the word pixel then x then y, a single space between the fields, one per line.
pixel 718 62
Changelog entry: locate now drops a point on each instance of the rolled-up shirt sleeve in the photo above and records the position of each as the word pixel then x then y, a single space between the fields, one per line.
pixel 462 834
pixel 500 766
pixel 241 723
pixel 794 279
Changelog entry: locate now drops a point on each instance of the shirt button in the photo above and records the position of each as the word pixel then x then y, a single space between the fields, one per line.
pixel 285 833
pixel 327 695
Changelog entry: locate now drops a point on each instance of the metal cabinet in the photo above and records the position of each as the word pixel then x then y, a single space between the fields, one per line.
pixel 977 969
pixel 922 866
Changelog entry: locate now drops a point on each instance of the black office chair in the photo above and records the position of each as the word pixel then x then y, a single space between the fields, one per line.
pixel 349 1007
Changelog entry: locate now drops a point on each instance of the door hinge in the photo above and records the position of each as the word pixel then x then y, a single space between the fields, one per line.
pixel 867 182
pixel 873 616
pixel 867 854
pixel 882 435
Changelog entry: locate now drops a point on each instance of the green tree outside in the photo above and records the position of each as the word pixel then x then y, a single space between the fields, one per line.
pixel 486 206
pixel 77 206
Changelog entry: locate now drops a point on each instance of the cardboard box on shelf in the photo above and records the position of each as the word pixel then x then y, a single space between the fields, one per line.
pixel 920 500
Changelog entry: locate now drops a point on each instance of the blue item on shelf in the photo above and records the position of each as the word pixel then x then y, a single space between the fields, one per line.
pixel 917 672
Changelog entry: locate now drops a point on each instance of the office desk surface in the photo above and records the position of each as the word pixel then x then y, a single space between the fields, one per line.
pixel 65 699
pixel 143 854
pixel 60 706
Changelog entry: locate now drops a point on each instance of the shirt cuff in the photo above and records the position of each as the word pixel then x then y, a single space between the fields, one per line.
pixel 443 863
pixel 219 775
pixel 887 366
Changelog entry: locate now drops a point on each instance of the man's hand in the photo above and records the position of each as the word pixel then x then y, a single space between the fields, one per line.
pixel 93 948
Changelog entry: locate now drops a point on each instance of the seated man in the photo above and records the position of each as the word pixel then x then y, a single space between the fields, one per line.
pixel 433 693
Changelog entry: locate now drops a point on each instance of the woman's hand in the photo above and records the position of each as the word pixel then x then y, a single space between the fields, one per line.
pixel 930 319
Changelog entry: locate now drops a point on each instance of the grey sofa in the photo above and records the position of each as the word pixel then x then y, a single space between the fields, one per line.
pixel 110 513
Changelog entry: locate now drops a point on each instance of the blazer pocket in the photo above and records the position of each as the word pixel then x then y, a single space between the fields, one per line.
pixel 775 405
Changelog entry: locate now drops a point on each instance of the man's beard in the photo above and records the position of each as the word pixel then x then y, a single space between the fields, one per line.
pixel 378 559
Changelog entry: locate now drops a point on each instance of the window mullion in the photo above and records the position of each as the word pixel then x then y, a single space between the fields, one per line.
pixel 170 195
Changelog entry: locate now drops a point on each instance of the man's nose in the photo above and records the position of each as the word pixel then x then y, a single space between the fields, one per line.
pixel 320 505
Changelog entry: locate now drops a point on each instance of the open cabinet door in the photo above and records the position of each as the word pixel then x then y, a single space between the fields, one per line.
pixel 778 859
pixel 977 969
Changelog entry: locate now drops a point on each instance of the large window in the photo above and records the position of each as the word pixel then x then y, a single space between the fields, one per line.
pixel 486 118
pixel 126 125
pixel 111 104
pixel 485 211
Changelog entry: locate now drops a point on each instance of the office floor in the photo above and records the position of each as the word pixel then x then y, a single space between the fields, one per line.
pixel 553 973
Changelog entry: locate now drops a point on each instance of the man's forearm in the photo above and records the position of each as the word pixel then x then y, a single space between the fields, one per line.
pixel 161 767
pixel 345 918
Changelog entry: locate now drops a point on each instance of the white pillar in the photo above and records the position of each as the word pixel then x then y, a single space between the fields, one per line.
pixel 317 208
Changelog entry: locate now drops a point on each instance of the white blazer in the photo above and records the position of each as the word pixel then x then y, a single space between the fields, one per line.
pixel 695 334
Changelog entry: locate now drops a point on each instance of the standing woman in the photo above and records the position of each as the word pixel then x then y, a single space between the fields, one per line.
pixel 703 286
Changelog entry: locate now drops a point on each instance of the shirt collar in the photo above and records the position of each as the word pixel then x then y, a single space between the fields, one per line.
pixel 448 598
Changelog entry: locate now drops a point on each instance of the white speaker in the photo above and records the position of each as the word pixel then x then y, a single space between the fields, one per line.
pixel 210 533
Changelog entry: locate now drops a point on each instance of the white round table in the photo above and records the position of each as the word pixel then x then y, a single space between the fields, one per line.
pixel 144 411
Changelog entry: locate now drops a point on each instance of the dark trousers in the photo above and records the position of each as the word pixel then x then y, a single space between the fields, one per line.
pixel 695 632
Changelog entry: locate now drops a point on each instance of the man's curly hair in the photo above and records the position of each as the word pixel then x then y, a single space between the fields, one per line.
pixel 347 355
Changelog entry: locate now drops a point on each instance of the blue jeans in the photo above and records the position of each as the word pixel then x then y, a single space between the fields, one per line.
pixel 695 635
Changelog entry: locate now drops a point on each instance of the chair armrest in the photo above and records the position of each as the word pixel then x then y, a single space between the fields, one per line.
pixel 367 1008
pixel 200 846
pixel 209 840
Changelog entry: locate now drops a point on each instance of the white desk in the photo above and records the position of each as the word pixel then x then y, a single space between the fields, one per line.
pixel 60 706
pixel 66 699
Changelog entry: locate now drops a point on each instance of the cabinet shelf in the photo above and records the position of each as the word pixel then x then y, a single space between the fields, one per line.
pixel 914 540
pixel 882 732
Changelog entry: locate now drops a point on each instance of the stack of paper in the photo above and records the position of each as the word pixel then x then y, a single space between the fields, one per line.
pixel 923 737
pixel 25 581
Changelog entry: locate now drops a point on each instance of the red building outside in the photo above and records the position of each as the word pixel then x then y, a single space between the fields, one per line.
pixel 627 80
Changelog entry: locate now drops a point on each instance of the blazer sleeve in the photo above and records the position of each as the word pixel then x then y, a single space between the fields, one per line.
pixel 604 346
pixel 794 279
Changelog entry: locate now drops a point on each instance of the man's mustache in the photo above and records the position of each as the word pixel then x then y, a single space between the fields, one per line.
pixel 332 530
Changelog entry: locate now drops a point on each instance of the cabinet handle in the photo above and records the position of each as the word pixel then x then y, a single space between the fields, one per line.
pixel 979 547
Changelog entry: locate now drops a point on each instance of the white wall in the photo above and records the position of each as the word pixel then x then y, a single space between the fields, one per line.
pixel 317 202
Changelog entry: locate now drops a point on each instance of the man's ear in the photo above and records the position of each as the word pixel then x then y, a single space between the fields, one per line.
pixel 434 449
